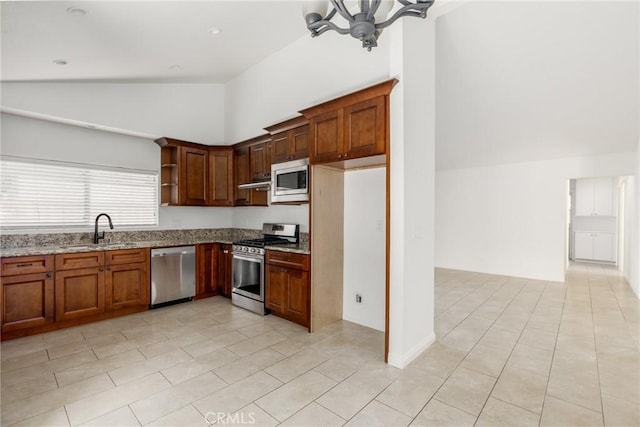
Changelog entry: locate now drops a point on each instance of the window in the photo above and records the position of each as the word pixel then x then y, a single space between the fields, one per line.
pixel 39 194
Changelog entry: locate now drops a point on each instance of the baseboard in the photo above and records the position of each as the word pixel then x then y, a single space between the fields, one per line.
pixel 403 360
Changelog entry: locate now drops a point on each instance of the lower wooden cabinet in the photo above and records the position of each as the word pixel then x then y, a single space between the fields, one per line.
pixel 126 286
pixel 85 287
pixel 225 264
pixel 207 270
pixel 79 293
pixel 287 286
pixel 27 301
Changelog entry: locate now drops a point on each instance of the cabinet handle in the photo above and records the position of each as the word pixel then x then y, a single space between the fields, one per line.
pixel 339 156
pixel 345 154
pixel 225 252
pixel 108 268
pixel 101 269
pixel 25 265
pixel 49 275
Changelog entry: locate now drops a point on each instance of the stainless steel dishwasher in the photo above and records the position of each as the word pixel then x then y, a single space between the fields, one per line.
pixel 173 275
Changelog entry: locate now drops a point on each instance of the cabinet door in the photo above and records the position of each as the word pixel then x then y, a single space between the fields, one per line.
pixel 365 130
pixel 126 286
pixel 194 164
pixel 276 292
pixel 221 177
pixel 242 172
pixel 299 142
pixel 584 197
pixel 79 293
pixel 280 147
pixel 207 270
pixel 603 247
pixel 326 133
pixel 27 301
pixel 225 264
pixel 603 191
pixel 298 302
pixel 583 245
pixel 260 156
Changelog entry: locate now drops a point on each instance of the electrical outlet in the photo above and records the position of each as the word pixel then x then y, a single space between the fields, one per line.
pixel 358 298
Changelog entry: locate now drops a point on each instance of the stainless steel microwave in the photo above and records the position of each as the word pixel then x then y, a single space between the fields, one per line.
pixel 290 182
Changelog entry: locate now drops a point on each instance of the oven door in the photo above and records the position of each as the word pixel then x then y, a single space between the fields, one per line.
pixel 248 276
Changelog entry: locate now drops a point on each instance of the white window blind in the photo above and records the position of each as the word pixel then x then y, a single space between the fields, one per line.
pixel 36 194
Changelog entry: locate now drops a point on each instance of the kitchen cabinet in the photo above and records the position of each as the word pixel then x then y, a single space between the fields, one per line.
pixel 91 283
pixel 127 279
pixel 350 127
pixel 184 173
pixel 225 265
pixel 595 246
pixel 244 171
pixel 27 298
pixel 207 259
pixel 221 176
pixel 595 197
pixel 260 156
pixel 289 140
pixel 287 286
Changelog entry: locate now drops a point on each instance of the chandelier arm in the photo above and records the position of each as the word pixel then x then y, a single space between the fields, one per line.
pixel 417 10
pixel 375 4
pixel 324 25
pixel 331 14
pixel 339 6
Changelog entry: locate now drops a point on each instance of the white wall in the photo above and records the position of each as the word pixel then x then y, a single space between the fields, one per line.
pixel 632 266
pixel 510 219
pixel 296 77
pixel 299 76
pixel 364 247
pixel 193 112
pixel 25 137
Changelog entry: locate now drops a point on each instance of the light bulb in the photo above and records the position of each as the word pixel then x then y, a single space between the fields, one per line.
pixel 383 10
pixel 319 7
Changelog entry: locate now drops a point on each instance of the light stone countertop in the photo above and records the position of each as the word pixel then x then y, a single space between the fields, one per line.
pixel 167 239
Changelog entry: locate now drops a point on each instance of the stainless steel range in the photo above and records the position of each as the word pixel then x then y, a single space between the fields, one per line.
pixel 248 265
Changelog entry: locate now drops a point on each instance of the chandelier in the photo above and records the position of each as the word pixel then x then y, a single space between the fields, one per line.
pixel 367 23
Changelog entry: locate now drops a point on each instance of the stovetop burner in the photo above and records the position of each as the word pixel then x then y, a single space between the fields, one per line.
pixel 262 242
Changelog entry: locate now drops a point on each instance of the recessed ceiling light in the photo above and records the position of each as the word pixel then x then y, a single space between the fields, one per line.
pixel 214 31
pixel 76 11
pixel 174 67
pixel 60 62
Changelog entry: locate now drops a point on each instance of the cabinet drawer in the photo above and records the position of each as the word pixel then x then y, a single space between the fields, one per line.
pixel 79 260
pixel 26 265
pixel 288 259
pixel 126 256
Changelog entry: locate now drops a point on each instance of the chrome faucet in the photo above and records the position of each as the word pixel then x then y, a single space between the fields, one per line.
pixel 99 236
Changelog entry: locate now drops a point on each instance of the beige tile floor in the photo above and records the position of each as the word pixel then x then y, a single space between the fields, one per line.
pixel 509 352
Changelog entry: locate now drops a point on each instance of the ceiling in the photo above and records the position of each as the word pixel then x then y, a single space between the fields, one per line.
pixel 528 80
pixel 515 80
pixel 144 41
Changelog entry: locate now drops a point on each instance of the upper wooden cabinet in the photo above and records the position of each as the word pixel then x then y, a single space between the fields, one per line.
pixel 352 126
pixel 184 172
pixel 195 174
pixel 289 140
pixel 260 156
pixel 251 159
pixel 221 176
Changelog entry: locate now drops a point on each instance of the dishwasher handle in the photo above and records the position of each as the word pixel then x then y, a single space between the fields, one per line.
pixel 178 250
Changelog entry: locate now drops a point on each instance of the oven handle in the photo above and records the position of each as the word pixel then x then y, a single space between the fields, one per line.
pixel 243 257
